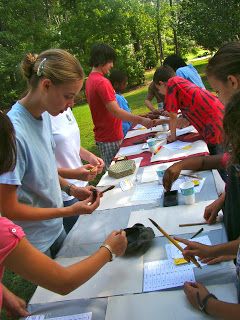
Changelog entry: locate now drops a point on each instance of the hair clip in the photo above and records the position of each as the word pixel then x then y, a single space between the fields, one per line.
pixel 41 67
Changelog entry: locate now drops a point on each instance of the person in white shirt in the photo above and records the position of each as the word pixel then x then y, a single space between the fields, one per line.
pixel 69 155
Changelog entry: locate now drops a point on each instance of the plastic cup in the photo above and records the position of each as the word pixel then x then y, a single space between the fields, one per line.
pixel 165 127
pixel 160 173
pixel 152 144
pixel 187 190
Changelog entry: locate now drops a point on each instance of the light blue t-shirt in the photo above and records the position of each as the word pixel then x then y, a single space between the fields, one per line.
pixel 124 105
pixel 190 73
pixel 35 174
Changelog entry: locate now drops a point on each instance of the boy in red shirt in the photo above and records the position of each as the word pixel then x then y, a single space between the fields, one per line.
pixel 200 107
pixel 106 114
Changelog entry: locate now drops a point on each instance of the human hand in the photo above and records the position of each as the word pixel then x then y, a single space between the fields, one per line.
pixel 117 240
pixel 15 306
pixel 86 206
pixel 80 192
pixel 156 112
pixel 195 249
pixel 211 211
pixel 165 113
pixel 214 260
pixel 171 138
pixel 191 289
pixel 87 172
pixel 170 175
pixel 160 121
pixel 182 123
pixel 151 116
pixel 148 123
pixel 98 162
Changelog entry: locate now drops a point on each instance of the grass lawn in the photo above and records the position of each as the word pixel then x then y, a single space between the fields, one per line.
pixel 136 99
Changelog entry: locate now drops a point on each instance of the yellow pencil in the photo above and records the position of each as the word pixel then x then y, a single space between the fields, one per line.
pixel 174 242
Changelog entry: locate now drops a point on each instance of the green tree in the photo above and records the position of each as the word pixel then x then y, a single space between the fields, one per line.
pixel 210 23
pixel 23 28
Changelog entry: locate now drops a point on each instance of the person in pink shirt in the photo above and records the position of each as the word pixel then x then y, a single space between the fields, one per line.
pixel 32 264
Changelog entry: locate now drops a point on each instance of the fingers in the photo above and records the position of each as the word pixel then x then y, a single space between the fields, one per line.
pixel 168 179
pixel 167 183
pixel 118 242
pixel 94 197
pixel 184 241
pixel 18 308
pixel 212 219
pixel 211 260
pixel 214 260
pixel 191 285
pixel 121 232
pixel 210 213
pixel 23 312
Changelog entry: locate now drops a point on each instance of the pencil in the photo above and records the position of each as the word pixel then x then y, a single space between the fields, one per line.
pixel 197 233
pixel 192 224
pixel 92 169
pixel 191 176
pixel 174 242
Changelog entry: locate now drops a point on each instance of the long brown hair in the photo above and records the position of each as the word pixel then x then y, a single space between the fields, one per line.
pixel 225 62
pixel 7 144
pixel 231 125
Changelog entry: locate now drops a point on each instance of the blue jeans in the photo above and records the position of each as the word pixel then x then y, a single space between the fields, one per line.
pixel 68 222
pixel 56 246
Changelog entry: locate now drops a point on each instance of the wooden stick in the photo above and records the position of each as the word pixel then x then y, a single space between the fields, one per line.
pixel 174 242
pixel 192 224
pixel 191 176
pixel 107 189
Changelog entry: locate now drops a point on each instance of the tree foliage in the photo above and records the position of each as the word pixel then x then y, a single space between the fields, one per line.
pixel 210 23
pixel 139 30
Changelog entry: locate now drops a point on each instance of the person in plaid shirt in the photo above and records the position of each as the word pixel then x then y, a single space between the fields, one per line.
pixel 200 107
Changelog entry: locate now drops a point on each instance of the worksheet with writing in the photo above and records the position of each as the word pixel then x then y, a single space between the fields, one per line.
pixel 81 316
pixel 164 274
pixel 36 317
pixel 147 192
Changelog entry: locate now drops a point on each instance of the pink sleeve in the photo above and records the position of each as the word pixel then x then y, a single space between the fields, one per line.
pixel 11 234
pixel 106 91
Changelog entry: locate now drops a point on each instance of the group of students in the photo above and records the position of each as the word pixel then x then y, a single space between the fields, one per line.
pixel 31 184
pixel 31 181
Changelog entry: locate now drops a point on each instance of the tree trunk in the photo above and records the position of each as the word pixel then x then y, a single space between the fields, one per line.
pixel 175 39
pixel 159 33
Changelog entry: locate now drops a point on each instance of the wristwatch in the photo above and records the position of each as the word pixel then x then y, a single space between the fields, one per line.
pixel 202 305
pixel 113 255
pixel 67 188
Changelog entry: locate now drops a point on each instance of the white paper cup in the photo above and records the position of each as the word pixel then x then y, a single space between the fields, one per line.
pixel 165 127
pixel 188 192
pixel 152 144
pixel 160 173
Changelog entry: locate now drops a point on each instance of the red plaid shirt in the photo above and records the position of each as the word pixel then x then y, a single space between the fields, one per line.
pixel 202 109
